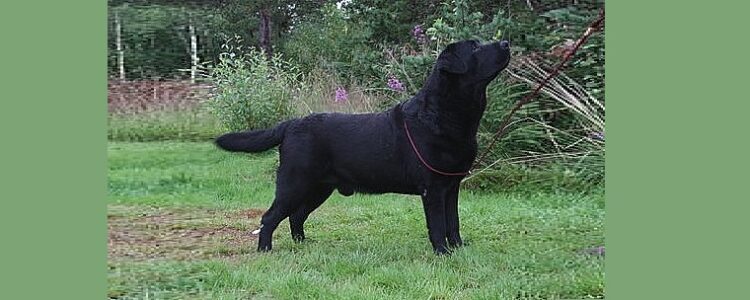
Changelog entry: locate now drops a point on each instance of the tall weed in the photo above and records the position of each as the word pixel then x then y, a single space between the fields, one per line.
pixel 251 90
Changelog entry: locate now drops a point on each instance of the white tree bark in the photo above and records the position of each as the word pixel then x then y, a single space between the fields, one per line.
pixel 120 52
pixel 193 53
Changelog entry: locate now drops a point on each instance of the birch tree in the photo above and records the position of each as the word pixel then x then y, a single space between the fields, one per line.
pixel 193 51
pixel 120 52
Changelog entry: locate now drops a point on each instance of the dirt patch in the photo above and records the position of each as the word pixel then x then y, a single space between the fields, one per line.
pixel 250 213
pixel 137 233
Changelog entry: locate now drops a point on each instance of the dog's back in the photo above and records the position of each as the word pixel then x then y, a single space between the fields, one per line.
pixel 352 152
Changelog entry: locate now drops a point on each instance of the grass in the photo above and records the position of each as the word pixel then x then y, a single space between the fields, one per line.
pixel 179 213
pixel 195 124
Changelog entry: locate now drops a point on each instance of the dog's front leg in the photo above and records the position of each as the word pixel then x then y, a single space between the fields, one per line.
pixel 451 217
pixel 433 201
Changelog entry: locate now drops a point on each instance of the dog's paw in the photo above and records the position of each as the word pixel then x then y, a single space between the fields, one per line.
pixel 442 250
pixel 456 243
pixel 299 238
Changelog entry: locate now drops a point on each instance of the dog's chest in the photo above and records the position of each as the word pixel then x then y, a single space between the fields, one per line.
pixel 454 153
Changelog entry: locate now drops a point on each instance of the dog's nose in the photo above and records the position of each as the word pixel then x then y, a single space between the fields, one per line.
pixel 504 44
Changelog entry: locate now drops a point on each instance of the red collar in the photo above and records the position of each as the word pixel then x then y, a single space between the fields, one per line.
pixel 414 147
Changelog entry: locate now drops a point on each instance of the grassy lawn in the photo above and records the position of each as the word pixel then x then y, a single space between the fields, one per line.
pixel 180 214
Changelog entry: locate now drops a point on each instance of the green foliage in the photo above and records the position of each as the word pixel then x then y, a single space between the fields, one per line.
pixel 455 23
pixel 501 97
pixel 521 135
pixel 359 48
pixel 550 178
pixel 252 90
pixel 155 39
pixel 242 18
pixel 588 64
pixel 551 32
pixel 544 135
pixel 390 21
pixel 415 69
pixel 333 44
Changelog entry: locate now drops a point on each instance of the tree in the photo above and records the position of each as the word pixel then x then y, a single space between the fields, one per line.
pixel 120 53
pixel 264 31
pixel 264 23
pixel 162 41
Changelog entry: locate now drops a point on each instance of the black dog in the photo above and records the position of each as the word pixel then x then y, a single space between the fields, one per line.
pixel 421 147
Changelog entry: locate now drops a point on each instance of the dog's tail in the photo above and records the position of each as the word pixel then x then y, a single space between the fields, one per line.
pixel 253 141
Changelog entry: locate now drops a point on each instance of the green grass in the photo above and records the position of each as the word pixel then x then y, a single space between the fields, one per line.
pixel 520 245
pixel 180 125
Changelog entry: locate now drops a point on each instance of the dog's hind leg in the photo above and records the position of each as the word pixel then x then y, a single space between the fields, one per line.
pixel 312 202
pixel 290 195
pixel 271 219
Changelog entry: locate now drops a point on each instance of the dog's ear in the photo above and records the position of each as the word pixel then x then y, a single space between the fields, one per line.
pixel 450 62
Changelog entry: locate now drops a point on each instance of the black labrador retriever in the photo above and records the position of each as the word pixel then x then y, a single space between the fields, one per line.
pixel 422 146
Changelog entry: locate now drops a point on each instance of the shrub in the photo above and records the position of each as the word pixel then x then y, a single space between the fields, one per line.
pixel 414 63
pixel 578 140
pixel 333 44
pixel 563 27
pixel 251 90
pixel 573 146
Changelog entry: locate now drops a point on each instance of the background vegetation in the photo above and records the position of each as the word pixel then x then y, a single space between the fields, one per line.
pixel 362 56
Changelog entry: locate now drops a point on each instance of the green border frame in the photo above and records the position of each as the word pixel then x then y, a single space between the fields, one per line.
pixel 676 160
pixel 675 129
pixel 53 162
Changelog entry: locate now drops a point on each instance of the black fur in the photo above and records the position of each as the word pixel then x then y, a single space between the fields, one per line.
pixel 369 153
pixel 253 141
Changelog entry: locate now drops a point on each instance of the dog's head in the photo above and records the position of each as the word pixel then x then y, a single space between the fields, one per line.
pixel 472 63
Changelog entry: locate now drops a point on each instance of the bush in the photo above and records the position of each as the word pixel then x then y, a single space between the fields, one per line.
pixel 563 27
pixel 335 45
pixel 456 23
pixel 251 90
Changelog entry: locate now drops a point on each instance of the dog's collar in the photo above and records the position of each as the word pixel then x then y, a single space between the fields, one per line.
pixel 424 162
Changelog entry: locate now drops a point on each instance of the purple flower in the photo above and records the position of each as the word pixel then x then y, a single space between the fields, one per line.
pixel 418 34
pixel 341 95
pixel 395 84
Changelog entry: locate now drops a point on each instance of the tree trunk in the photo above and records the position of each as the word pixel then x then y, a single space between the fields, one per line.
pixel 120 52
pixel 265 32
pixel 193 53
